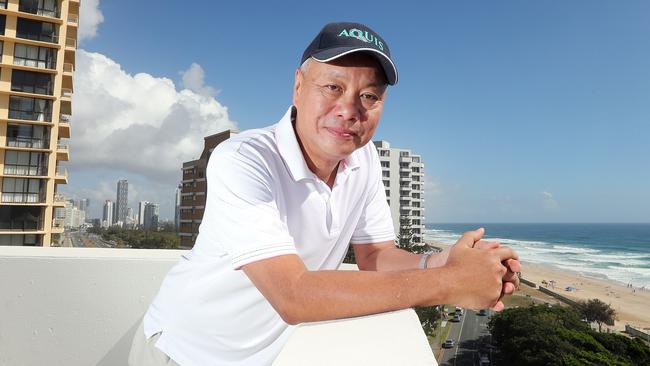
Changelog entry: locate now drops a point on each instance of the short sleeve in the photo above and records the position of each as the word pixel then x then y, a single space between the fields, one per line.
pixel 375 224
pixel 241 213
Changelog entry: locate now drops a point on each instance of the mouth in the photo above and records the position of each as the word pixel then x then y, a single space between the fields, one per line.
pixel 341 132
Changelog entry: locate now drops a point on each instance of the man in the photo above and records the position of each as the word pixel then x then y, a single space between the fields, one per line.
pixel 283 205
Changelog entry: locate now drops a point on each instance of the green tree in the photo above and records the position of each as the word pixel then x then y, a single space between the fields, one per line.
pixel 594 310
pixel 405 236
pixel 543 335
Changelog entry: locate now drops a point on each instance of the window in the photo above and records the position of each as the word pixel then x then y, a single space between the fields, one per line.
pixel 34 56
pixel 3 22
pixel 385 174
pixel 404 153
pixel 32 82
pixel 385 164
pixel 1 47
pixel 384 152
pixel 31 109
pixel 31 136
pixel 25 163
pixel 40 7
pixel 3 4
pixel 20 217
pixel 38 31
pixel 20 240
pixel 23 190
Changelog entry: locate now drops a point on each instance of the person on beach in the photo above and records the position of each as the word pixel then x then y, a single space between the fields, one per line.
pixel 284 204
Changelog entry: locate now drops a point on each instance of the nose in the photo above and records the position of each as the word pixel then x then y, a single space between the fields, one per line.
pixel 349 108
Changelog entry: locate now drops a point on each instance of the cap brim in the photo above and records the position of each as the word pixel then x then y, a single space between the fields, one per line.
pixel 386 63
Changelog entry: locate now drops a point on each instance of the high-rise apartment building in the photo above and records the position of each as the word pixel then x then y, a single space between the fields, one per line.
pixel 194 189
pixel 403 177
pixel 141 206
pixel 121 202
pixel 151 215
pixel 177 208
pixel 84 203
pixel 107 217
pixel 38 40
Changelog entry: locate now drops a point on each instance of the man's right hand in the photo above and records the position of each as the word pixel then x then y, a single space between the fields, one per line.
pixel 478 273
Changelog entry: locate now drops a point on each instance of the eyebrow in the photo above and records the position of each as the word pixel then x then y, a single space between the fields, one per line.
pixel 341 75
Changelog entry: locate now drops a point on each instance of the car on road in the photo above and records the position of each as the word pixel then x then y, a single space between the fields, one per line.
pixel 449 343
pixel 483 359
pixel 483 312
pixel 456 318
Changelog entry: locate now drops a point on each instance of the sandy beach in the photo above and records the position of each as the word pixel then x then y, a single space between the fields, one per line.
pixel 632 304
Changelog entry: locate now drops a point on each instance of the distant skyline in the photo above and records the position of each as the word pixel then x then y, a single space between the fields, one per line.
pixel 521 111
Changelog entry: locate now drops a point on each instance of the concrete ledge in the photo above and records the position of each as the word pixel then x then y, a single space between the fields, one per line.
pixel 394 338
pixel 81 307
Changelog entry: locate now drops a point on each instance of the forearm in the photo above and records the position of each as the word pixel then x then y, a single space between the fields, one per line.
pixel 326 295
pixel 395 259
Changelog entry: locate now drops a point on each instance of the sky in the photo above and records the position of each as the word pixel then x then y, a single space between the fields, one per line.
pixel 522 111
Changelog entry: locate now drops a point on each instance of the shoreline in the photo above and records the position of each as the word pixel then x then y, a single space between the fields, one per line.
pixel 630 303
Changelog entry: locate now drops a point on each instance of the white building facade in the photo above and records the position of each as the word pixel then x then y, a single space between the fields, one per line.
pixel 403 178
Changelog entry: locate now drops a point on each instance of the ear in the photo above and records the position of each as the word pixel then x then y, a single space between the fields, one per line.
pixel 296 86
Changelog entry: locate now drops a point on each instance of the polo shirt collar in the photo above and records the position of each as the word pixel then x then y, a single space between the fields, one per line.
pixel 292 154
pixel 290 149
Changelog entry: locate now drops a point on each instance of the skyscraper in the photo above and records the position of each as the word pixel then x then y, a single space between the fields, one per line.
pixel 177 208
pixel 141 206
pixel 151 212
pixel 83 204
pixel 107 218
pixel 38 46
pixel 403 178
pixel 122 201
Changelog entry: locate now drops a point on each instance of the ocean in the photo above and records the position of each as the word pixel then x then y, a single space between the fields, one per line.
pixel 619 252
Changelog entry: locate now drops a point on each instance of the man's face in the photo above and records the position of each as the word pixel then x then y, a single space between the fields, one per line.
pixel 338 107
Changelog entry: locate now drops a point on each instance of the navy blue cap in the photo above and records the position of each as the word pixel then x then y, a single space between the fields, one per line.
pixel 339 39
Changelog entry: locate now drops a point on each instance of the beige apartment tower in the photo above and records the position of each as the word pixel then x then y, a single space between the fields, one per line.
pixel 38 40
pixel 403 178
pixel 194 190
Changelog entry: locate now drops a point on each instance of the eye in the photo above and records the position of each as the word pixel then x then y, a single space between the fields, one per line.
pixel 332 88
pixel 369 100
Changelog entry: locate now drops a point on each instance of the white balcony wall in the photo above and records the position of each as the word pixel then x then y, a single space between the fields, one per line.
pixel 81 306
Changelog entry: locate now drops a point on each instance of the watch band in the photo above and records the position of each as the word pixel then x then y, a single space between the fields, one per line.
pixel 423 260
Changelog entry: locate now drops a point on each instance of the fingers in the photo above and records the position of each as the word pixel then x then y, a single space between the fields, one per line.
pixel 509 288
pixel 484 244
pixel 513 265
pixel 506 253
pixel 498 306
pixel 469 238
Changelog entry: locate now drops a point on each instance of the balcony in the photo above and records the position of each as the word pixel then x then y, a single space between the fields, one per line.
pixel 405 179
pixel 66 94
pixel 73 20
pixel 71 44
pixel 64 126
pixel 54 313
pixel 59 200
pixel 68 68
pixel 61 175
pixel 62 152
pixel 57 226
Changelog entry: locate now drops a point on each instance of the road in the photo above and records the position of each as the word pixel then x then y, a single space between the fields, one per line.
pixel 80 239
pixel 471 335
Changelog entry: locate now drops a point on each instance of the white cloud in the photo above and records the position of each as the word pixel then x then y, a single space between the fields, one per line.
pixel 548 201
pixel 136 126
pixel 90 17
pixel 193 79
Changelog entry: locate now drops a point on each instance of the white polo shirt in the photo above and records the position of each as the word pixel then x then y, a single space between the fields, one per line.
pixel 262 201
